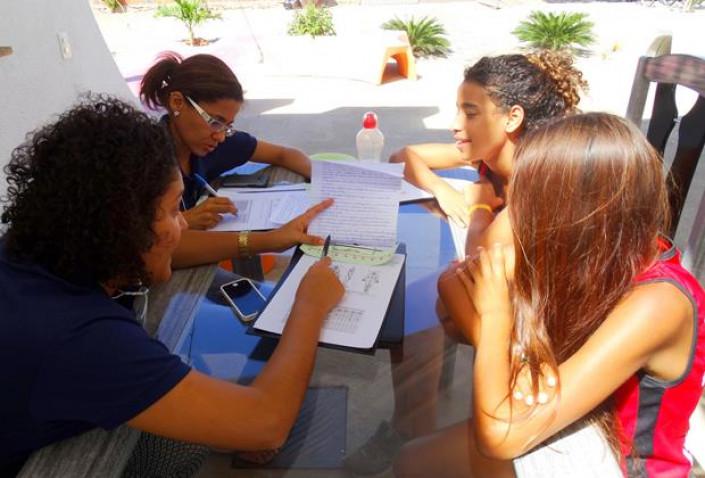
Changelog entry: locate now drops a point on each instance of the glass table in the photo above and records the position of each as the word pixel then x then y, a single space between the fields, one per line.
pixel 353 392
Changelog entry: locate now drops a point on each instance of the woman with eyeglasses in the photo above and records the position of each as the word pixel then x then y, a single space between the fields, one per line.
pixel 202 96
pixel 93 217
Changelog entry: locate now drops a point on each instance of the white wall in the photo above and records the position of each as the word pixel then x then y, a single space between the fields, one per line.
pixel 36 83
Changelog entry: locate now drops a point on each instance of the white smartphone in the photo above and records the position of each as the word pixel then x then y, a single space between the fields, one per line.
pixel 244 297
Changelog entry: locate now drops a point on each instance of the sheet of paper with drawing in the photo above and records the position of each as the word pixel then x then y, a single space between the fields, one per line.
pixel 366 203
pixel 357 319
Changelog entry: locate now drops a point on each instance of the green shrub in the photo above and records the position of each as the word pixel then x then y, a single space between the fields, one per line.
pixel 556 31
pixel 426 35
pixel 190 13
pixel 312 20
pixel 114 6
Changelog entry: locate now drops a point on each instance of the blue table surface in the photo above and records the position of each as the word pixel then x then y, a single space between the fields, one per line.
pixel 218 344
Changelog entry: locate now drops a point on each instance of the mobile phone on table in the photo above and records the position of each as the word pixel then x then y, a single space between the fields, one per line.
pixel 254 180
pixel 244 297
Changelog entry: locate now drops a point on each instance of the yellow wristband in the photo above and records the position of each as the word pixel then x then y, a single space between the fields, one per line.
pixel 243 247
pixel 475 207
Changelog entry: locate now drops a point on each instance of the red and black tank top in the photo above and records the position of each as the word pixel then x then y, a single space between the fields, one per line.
pixel 653 413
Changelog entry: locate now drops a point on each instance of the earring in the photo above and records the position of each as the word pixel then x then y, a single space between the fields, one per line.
pixel 176 113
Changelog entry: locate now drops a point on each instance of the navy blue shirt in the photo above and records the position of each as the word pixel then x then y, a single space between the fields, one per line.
pixel 235 151
pixel 71 359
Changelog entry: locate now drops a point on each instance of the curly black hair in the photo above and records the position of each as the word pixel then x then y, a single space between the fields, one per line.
pixel 82 192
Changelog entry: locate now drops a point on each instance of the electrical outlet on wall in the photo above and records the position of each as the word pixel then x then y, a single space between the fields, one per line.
pixel 64 45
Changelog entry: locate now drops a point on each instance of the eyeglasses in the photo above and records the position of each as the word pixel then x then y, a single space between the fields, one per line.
pixel 216 125
pixel 140 302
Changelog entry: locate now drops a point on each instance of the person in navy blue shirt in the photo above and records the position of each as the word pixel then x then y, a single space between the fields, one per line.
pixel 202 97
pixel 93 217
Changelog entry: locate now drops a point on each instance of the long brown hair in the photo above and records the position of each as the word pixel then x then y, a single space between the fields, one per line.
pixel 587 202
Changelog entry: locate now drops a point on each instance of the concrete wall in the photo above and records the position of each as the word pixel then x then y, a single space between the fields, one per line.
pixel 36 82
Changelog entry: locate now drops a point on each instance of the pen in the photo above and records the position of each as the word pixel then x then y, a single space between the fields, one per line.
pixel 205 184
pixel 325 247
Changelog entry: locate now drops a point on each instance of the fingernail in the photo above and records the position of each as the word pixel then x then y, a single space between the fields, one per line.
pixel 543 397
pixel 551 381
pixel 529 400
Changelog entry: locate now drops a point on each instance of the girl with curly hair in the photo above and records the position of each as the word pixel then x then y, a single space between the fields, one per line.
pixel 202 96
pixel 500 99
pixel 93 217
pixel 589 334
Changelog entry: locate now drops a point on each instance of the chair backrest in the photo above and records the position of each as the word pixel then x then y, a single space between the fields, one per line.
pixel 669 71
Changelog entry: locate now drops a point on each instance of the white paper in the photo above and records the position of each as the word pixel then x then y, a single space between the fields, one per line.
pixel 291 206
pixel 460 237
pixel 410 193
pixel 366 203
pixel 253 210
pixel 357 319
pixel 278 187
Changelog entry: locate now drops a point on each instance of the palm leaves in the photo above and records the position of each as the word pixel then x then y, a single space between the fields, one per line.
pixel 426 36
pixel 189 12
pixel 556 31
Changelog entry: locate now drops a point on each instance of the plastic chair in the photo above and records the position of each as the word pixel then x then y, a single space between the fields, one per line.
pixel 668 72
pixel 397 46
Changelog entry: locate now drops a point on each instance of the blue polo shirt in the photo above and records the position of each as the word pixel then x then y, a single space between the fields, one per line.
pixel 235 151
pixel 71 359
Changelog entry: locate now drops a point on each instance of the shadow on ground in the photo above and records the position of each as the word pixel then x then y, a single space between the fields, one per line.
pixel 334 130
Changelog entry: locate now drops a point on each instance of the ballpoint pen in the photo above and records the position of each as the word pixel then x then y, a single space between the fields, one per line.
pixel 205 184
pixel 326 244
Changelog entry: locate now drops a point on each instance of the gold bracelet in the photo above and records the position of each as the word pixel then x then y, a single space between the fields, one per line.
pixel 475 207
pixel 243 247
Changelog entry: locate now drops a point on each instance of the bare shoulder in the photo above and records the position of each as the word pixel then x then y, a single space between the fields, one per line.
pixel 499 231
pixel 661 298
pixel 661 308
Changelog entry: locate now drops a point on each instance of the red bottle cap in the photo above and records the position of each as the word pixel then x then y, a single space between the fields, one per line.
pixel 369 121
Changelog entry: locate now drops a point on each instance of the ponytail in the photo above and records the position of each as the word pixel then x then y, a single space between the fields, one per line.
pixel 200 77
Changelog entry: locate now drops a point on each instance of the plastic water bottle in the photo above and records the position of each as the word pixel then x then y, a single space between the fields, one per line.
pixel 369 140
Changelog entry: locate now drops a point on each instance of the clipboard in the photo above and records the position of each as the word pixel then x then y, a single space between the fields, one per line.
pixel 390 334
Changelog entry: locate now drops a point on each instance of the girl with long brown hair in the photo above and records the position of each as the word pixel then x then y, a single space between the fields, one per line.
pixel 500 99
pixel 588 322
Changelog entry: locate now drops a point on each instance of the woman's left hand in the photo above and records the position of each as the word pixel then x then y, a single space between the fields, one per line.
pixel 486 280
pixel 295 231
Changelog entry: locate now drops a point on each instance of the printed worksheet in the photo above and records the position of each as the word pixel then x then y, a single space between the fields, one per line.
pixel 254 209
pixel 357 319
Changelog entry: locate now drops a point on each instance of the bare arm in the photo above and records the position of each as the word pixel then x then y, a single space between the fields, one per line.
pixel 451 290
pixel 289 158
pixel 420 159
pixel 221 414
pixel 617 350
pixel 207 247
